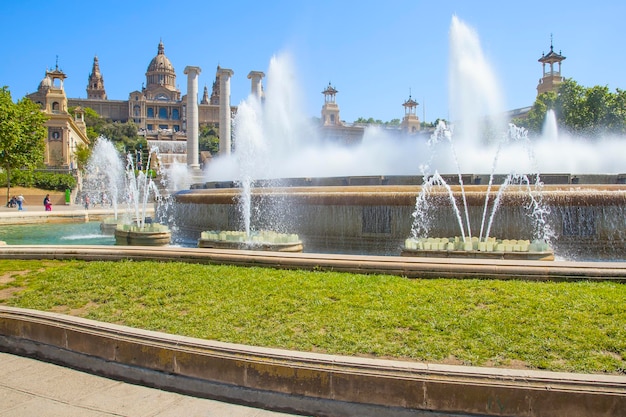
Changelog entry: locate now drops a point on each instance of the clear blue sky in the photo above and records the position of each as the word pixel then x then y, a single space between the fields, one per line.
pixel 373 52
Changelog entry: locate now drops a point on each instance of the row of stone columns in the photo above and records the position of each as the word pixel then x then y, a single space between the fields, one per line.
pixel 224 111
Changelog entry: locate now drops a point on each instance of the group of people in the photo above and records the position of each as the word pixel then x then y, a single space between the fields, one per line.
pixel 18 201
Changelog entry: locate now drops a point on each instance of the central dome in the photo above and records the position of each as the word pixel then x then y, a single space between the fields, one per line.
pixel 161 71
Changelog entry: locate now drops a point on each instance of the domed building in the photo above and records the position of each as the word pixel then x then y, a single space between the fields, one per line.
pixel 158 109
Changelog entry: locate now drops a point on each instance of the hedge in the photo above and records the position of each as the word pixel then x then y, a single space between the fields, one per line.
pixel 40 179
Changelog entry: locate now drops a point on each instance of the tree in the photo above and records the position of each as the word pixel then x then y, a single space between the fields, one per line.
pixel 208 139
pixel 537 114
pixel 579 110
pixel 22 135
pixel 83 153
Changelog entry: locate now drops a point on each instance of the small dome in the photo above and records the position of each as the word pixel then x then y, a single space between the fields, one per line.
pixel 45 84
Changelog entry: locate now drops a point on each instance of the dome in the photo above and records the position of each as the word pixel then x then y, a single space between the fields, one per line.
pixel 161 72
pixel 45 84
pixel 160 63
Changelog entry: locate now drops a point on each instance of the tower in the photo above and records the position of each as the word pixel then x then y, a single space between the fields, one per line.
pixel 205 96
pixel 551 79
pixel 65 133
pixel 410 121
pixel 95 84
pixel 330 109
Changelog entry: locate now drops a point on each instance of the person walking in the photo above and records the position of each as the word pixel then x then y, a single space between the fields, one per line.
pixel 20 201
pixel 46 203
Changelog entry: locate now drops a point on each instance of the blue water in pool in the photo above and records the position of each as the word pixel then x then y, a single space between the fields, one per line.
pixel 55 234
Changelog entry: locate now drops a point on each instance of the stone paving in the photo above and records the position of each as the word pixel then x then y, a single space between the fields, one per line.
pixel 29 387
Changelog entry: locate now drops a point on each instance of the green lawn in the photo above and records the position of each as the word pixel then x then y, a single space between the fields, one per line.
pixel 575 327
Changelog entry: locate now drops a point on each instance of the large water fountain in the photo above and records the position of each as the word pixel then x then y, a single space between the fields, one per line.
pixel 362 198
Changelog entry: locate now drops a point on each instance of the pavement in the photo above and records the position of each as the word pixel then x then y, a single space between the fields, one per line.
pixel 29 387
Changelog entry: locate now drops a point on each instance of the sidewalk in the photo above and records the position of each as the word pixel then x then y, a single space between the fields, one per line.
pixel 29 387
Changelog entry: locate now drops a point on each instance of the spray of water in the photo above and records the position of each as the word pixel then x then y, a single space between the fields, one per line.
pixel 104 172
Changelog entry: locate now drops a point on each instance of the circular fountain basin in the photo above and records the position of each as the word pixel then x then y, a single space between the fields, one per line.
pixel 263 241
pixel 150 235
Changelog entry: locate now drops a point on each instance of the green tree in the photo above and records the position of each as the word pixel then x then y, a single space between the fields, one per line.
pixel 83 152
pixel 580 110
pixel 537 114
pixel 22 135
pixel 208 139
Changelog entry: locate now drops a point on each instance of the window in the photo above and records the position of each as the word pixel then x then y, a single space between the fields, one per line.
pixel 162 113
pixel 136 110
pixel 150 112
pixel 175 114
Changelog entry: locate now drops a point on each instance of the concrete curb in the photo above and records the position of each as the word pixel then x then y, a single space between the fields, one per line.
pixel 395 265
pixel 301 382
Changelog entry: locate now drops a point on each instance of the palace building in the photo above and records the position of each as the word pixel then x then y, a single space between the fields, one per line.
pixel 162 114
pixel 158 109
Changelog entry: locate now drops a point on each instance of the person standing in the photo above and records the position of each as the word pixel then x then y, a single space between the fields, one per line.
pixel 20 201
pixel 46 203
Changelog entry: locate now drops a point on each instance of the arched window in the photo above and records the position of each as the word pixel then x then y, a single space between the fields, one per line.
pixel 136 110
pixel 162 113
pixel 150 112
pixel 55 106
pixel 175 114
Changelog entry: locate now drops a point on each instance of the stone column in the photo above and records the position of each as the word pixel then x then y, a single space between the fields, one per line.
pixel 225 134
pixel 256 88
pixel 192 117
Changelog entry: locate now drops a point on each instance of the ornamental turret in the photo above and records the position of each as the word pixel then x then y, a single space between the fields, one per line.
pixel 95 84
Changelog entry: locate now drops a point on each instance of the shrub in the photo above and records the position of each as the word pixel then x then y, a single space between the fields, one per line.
pixel 41 179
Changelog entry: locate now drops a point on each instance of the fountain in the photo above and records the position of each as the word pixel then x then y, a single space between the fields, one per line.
pixel 104 180
pixel 107 182
pixel 468 245
pixel 362 198
pixel 140 186
pixel 253 127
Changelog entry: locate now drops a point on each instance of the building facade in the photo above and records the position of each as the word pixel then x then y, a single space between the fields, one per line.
pixel 65 133
pixel 158 109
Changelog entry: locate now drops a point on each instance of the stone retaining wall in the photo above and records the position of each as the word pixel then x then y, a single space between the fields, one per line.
pixel 307 383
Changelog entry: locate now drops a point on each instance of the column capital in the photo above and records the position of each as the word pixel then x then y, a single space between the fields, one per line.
pixel 191 69
pixel 226 71
pixel 253 74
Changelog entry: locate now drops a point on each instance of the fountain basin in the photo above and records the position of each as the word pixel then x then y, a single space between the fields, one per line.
pixel 108 226
pixel 149 235
pixel 490 248
pixel 588 220
pixel 264 241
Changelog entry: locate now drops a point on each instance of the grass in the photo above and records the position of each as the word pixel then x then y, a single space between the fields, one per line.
pixel 573 327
